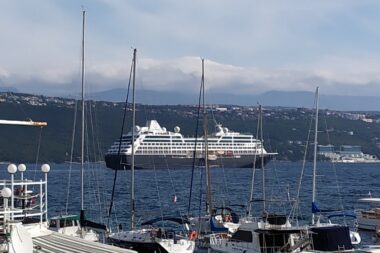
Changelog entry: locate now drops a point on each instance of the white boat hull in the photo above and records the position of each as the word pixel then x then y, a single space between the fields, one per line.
pixel 368 224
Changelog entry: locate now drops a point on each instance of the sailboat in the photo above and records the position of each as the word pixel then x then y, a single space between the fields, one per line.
pixel 147 239
pixel 326 236
pixel 267 233
pixel 217 219
pixel 78 225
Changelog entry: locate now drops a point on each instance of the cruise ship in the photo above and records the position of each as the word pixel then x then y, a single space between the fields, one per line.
pixel 156 147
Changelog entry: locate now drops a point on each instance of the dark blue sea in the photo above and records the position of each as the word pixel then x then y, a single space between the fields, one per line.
pixel 339 186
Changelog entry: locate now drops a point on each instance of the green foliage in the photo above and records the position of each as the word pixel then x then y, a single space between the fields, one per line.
pixel 285 130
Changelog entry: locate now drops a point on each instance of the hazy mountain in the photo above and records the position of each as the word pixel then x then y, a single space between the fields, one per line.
pixel 270 98
pixel 8 89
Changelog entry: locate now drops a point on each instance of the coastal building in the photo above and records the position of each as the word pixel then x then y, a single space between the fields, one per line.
pixel 346 154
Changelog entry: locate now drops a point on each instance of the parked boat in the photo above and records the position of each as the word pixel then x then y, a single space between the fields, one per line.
pixel 369 219
pixel 326 236
pixel 147 240
pixel 270 234
pixel 79 225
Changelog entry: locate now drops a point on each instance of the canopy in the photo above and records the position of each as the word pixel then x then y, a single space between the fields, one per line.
pixel 315 209
pixel 178 220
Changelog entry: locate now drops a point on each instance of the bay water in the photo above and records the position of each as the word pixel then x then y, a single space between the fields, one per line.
pixel 164 192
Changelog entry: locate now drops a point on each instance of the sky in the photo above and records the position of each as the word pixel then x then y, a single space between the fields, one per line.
pixel 249 46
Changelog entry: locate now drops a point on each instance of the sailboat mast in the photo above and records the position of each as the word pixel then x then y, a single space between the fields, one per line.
pixel 254 167
pixel 133 144
pixel 205 129
pixel 262 157
pixel 315 151
pixel 82 145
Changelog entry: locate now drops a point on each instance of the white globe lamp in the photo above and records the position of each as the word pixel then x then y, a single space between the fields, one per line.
pixel 6 192
pixel 21 167
pixel 45 168
pixel 12 168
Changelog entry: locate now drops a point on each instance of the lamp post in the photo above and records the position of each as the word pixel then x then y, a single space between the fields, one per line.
pixel 45 168
pixel 6 193
pixel 12 169
pixel 21 168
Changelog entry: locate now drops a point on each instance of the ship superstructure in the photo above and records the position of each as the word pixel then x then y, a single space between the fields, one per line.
pixel 156 147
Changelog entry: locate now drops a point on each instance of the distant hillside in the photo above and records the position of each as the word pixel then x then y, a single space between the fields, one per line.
pixel 8 89
pixel 271 98
pixel 285 128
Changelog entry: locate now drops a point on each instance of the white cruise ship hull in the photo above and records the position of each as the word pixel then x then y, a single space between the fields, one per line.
pixel 163 162
pixel 156 147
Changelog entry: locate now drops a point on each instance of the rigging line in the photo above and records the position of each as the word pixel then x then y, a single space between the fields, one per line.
pixel 335 172
pixel 71 156
pixel 157 188
pixel 200 197
pixel 262 157
pixel 253 169
pixel 174 190
pixel 92 180
pixel 276 177
pixel 38 155
pixel 225 184
pixel 297 201
pixel 19 105
pixel 99 155
pixel 120 141
pixel 97 134
pixel 205 129
pixel 195 150
pixel 213 115
pixel 98 195
pixel 225 189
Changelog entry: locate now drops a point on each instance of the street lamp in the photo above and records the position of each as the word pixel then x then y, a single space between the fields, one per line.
pixel 12 169
pixel 45 168
pixel 21 167
pixel 6 193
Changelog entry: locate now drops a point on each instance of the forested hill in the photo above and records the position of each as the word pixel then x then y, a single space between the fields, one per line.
pixel 285 129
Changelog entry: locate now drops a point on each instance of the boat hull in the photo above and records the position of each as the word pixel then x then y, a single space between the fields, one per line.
pixel 164 162
pixel 368 224
pixel 147 247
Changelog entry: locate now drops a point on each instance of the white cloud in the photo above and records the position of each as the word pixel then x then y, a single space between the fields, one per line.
pixel 183 74
pixel 250 46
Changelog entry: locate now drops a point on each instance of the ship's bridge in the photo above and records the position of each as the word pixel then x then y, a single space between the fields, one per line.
pixel 224 131
pixel 152 127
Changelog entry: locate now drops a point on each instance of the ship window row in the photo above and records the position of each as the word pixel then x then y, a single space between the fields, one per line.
pixel 182 152
pixel 123 142
pixel 161 140
pixel 185 149
pixel 157 137
pixel 211 146
pixel 198 145
pixel 122 147
pixel 180 143
pixel 242 137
